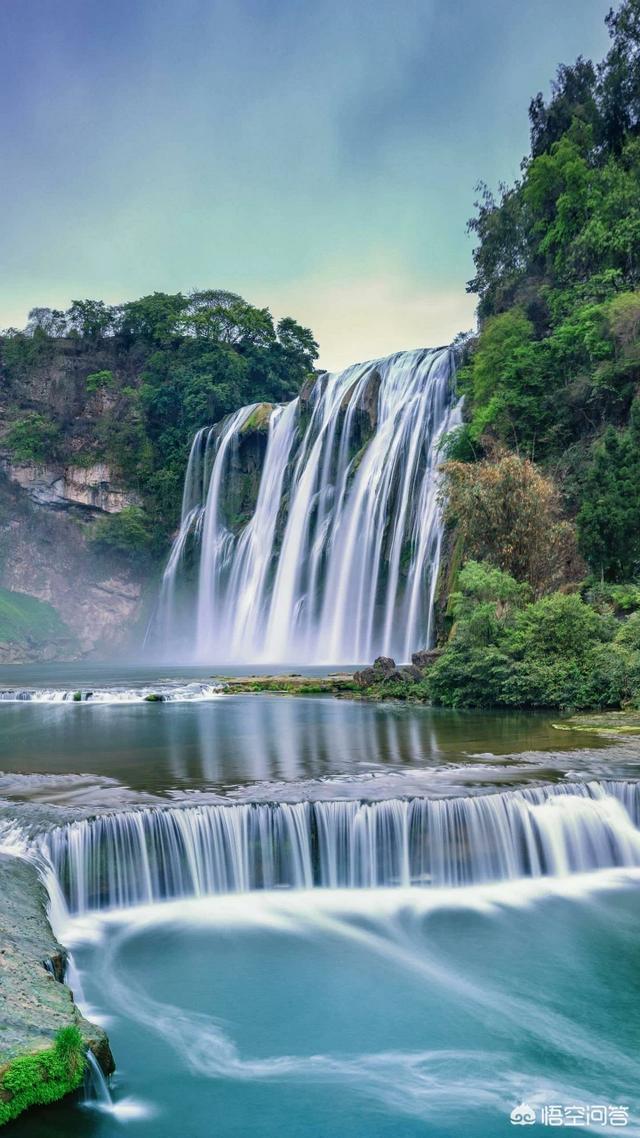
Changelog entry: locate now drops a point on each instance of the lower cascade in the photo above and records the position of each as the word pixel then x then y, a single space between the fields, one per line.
pixel 311 531
pixel 130 858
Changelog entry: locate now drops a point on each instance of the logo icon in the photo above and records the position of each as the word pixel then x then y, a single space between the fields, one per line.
pixel 523 1115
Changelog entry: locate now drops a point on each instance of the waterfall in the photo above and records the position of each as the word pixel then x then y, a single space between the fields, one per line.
pixel 324 544
pixel 120 860
pixel 96 1088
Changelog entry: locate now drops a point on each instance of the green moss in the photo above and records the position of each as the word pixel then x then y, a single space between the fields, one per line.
pixel 34 1080
pixel 77 696
pixel 609 723
pixel 259 419
pixel 153 697
pixel 291 685
pixel 25 619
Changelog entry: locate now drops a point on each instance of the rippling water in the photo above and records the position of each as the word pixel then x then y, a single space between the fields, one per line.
pixel 329 1012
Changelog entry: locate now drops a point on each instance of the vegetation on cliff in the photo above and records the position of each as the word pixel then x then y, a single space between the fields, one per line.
pixel 554 371
pixel 28 625
pixel 542 481
pixel 130 384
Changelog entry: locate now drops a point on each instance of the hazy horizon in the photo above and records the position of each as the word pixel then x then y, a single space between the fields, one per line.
pixel 320 161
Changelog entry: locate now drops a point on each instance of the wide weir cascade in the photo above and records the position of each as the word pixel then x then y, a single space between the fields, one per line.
pixel 312 531
pixel 124 859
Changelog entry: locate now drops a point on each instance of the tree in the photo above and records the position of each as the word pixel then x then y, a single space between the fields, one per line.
pixel 155 319
pixel 90 319
pixel 609 518
pixel 509 514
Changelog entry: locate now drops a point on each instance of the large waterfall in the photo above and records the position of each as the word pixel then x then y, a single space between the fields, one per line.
pixel 311 532
pixel 119 860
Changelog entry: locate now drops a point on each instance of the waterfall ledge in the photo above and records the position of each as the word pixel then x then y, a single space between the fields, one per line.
pixel 40 1060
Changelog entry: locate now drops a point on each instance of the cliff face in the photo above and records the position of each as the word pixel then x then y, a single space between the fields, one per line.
pixel 94 487
pixel 46 553
pixel 50 503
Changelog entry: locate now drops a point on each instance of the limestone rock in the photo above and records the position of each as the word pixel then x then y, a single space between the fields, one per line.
pixel 35 1003
pixel 59 487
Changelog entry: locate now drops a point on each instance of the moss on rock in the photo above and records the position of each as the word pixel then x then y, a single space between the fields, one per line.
pixel 43 1035
pixel 44 1076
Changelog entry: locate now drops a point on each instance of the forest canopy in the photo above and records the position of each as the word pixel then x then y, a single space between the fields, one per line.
pixel 148 374
pixel 554 371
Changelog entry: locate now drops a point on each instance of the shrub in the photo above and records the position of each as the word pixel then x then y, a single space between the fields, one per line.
pixel 99 380
pixel 34 438
pixel 127 532
pixel 557 651
pixel 509 514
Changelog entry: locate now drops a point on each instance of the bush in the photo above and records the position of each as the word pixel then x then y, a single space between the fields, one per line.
pixel 127 532
pixel 99 380
pixel 509 513
pixel 34 438
pixel 558 651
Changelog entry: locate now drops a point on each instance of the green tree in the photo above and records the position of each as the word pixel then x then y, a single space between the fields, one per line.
pixel 609 519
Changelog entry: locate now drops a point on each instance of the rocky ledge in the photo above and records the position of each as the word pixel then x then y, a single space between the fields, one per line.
pixel 383 680
pixel 60 487
pixel 43 1035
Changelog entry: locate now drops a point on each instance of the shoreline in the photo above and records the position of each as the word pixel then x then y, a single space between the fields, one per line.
pixel 44 1036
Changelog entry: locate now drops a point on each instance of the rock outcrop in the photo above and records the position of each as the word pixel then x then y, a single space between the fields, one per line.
pixel 45 553
pixel 43 1035
pixel 384 671
pixel 61 487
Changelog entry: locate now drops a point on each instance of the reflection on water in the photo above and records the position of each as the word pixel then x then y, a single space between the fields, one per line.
pixel 278 743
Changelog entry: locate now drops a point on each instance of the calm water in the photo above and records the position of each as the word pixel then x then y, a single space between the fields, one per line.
pixel 326 1014
pixel 268 745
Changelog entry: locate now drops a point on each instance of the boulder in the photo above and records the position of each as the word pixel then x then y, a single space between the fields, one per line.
pixel 384 665
pixel 366 678
pixel 426 658
pixel 36 1006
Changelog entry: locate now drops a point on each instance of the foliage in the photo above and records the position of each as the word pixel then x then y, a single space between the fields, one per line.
pixel 34 438
pixel 510 514
pixel 609 518
pixel 127 532
pixel 99 380
pixel 43 1077
pixel 557 651
pixel 171 363
pixel 555 368
pixel 24 619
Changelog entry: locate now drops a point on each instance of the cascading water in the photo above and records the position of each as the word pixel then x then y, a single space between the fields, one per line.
pixel 333 555
pixel 119 860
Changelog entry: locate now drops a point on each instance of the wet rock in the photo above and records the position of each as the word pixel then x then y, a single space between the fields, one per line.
pixel 384 665
pixel 35 1006
pixel 426 658
pixel 366 677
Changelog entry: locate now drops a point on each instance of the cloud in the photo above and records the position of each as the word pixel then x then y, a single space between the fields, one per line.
pixel 364 315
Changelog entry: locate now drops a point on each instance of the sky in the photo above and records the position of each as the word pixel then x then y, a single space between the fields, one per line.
pixel 319 158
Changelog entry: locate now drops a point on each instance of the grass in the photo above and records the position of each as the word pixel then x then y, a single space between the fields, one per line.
pixel 34 1080
pixel 26 620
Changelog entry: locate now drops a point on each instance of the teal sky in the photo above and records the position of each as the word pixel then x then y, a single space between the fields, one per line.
pixel 319 158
